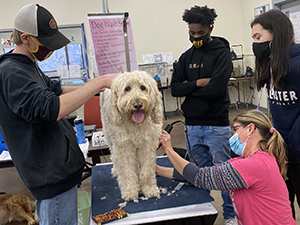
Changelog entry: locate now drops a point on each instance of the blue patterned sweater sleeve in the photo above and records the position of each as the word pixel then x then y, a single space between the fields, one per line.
pixel 220 177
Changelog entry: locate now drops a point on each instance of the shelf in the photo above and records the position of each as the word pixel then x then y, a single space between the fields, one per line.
pixel 238 58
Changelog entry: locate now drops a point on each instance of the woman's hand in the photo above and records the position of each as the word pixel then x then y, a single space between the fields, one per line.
pixel 165 141
pixel 178 162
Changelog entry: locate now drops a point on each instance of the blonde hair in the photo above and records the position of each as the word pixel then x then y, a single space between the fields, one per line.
pixel 272 141
pixel 16 37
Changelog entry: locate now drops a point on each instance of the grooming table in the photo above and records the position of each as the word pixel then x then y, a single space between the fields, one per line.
pixel 186 203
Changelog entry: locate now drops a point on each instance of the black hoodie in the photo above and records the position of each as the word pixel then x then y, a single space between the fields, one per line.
pixel 44 151
pixel 204 105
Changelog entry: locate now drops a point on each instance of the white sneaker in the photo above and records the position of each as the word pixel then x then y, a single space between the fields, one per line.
pixel 231 221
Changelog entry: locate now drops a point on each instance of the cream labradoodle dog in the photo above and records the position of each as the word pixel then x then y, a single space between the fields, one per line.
pixel 132 115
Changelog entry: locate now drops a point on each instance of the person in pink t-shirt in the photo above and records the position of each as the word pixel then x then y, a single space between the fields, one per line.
pixel 255 180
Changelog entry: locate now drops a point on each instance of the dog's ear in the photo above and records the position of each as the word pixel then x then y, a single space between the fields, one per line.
pixel 156 113
pixel 116 116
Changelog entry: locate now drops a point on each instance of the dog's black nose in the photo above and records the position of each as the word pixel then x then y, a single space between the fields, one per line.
pixel 138 105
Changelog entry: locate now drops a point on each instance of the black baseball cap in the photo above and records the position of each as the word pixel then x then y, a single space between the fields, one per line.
pixel 37 21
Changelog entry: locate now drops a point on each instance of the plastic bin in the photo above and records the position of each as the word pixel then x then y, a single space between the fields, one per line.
pixel 84 206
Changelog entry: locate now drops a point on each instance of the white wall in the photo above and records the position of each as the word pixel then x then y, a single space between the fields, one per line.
pixel 157 24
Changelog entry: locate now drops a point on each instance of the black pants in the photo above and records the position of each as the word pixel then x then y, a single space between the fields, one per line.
pixel 293 185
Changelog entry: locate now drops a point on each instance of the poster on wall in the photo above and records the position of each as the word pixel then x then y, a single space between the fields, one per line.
pixel 261 9
pixel 109 43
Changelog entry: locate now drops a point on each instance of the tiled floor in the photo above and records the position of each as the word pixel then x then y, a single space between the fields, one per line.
pixel 10 181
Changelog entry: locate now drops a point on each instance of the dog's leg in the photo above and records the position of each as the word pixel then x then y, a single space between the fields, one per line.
pixel 114 171
pixel 29 217
pixel 21 208
pixel 147 177
pixel 125 164
pixel 3 217
pixel 18 213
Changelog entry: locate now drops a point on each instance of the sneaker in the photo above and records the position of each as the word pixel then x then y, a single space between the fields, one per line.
pixel 231 221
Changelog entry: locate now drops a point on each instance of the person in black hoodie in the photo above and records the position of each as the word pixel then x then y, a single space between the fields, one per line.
pixel 201 76
pixel 41 142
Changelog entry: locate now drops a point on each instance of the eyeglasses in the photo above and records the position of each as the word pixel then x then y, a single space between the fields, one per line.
pixel 233 129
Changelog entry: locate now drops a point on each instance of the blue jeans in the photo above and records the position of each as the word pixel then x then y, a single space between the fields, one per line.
pixel 59 210
pixel 207 146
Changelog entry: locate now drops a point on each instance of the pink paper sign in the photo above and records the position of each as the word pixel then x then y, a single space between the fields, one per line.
pixel 109 45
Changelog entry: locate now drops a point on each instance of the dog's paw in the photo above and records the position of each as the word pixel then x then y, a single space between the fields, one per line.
pixel 130 195
pixel 151 191
pixel 36 221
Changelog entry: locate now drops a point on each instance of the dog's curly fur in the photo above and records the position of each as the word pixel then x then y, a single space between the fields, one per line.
pixel 132 116
pixel 17 208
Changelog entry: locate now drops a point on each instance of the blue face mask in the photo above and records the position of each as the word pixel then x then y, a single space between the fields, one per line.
pixel 236 145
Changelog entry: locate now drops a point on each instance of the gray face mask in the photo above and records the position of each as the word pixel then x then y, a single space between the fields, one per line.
pixel 262 50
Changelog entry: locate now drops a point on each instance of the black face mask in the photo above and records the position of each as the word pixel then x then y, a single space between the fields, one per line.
pixel 200 41
pixel 262 50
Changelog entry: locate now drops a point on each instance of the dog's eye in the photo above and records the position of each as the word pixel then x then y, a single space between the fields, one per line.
pixel 128 88
pixel 143 88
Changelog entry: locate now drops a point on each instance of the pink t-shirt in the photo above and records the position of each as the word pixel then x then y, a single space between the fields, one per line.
pixel 265 200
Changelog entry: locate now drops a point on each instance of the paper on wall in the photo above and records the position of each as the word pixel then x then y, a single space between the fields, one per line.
pixel 168 57
pixel 74 71
pixel 63 72
pixel 158 58
pixel 148 58
pixel 109 43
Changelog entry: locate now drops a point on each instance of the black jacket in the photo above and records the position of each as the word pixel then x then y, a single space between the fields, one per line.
pixel 284 104
pixel 44 151
pixel 204 105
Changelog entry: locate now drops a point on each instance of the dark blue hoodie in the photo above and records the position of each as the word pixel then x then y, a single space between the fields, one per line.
pixel 204 105
pixel 44 151
pixel 284 105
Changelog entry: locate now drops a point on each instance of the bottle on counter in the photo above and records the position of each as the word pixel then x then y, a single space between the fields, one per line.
pixel 157 78
pixel 79 125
